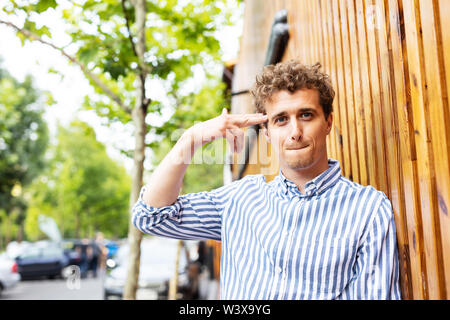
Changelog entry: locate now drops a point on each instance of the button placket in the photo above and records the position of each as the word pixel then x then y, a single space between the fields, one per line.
pixel 289 246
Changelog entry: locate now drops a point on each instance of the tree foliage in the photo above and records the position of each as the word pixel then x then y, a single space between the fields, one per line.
pixel 23 141
pixel 83 189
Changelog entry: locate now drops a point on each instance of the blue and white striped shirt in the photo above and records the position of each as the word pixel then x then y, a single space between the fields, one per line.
pixel 335 241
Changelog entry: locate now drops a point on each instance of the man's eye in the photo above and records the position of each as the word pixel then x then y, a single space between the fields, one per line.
pixel 306 115
pixel 280 119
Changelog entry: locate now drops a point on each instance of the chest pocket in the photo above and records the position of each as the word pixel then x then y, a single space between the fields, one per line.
pixel 326 266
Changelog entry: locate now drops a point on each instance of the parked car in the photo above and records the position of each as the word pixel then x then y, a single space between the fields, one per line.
pixel 158 258
pixel 42 260
pixel 9 276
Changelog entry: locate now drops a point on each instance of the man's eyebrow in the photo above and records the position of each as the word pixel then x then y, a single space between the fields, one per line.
pixel 282 113
pixel 301 110
pixel 306 109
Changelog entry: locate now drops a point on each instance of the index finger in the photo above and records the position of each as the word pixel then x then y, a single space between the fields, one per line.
pixel 249 119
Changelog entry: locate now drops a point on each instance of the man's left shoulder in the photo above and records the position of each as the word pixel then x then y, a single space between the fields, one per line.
pixel 371 196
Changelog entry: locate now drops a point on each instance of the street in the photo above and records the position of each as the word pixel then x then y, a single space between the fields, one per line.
pixel 58 289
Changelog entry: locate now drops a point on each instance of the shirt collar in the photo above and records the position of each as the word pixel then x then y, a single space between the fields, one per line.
pixel 316 186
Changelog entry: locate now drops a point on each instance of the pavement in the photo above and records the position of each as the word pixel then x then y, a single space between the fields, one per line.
pixel 57 289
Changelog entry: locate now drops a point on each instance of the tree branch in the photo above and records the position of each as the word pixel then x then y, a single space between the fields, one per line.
pixel 142 67
pixel 83 68
pixel 127 21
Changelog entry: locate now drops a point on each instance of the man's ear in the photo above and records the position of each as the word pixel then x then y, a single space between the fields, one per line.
pixel 266 133
pixel 329 123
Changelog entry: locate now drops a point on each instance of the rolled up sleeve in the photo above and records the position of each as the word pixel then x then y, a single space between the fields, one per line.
pixel 193 216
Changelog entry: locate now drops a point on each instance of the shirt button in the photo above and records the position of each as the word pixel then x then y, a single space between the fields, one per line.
pixel 278 270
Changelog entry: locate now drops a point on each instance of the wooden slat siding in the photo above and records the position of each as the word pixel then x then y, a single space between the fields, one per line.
pixel 342 106
pixel 409 262
pixel 439 157
pixel 413 208
pixel 374 65
pixel 317 46
pixel 293 49
pixel 316 7
pixel 413 27
pixel 305 32
pixel 390 128
pixel 330 48
pixel 390 108
pixel 311 33
pixel 366 93
pixel 348 84
pixel 442 12
pixel 357 93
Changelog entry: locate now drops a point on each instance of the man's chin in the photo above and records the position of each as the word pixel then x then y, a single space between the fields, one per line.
pixel 300 164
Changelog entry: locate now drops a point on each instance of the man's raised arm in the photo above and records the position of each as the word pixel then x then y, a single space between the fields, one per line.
pixel 161 211
pixel 165 183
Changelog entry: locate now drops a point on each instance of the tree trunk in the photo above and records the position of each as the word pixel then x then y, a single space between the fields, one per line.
pixel 138 115
pixel 174 281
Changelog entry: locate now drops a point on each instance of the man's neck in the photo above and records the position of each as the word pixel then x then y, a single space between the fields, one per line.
pixel 302 176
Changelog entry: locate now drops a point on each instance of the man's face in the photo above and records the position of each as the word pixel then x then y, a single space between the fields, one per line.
pixel 297 128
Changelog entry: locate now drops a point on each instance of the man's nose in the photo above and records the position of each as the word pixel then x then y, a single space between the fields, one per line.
pixel 296 131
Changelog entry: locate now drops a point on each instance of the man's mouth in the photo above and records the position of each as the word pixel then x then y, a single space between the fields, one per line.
pixel 297 148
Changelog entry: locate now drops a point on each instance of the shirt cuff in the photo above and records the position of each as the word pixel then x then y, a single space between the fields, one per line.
pixel 172 212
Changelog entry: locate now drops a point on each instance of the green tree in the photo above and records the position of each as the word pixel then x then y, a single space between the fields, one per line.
pixel 121 46
pixel 83 189
pixel 23 141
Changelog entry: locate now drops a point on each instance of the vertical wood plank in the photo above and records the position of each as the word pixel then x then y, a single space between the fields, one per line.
pixel 442 11
pixel 357 93
pixel 348 85
pixel 342 106
pixel 366 102
pixel 413 27
pixel 324 59
pixel 436 100
pixel 386 33
pixel 377 119
pixel 331 56
pixel 407 209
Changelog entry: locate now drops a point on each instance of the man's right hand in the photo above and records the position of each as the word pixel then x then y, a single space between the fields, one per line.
pixel 227 126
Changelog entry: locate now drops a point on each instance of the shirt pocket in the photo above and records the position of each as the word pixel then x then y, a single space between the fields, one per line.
pixel 327 267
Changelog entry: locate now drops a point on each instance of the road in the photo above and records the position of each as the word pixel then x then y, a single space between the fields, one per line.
pixel 57 289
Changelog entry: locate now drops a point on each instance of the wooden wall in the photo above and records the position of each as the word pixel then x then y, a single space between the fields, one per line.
pixel 390 65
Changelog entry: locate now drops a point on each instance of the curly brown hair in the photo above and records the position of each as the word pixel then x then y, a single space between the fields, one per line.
pixel 292 76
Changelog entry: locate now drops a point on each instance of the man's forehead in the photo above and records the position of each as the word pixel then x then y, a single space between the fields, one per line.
pixel 301 99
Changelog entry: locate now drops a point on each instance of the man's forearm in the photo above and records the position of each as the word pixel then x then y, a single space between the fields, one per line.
pixel 165 183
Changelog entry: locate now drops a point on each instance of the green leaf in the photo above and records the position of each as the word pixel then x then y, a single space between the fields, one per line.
pixel 43 5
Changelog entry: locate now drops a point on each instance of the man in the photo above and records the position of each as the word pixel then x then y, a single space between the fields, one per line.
pixel 308 234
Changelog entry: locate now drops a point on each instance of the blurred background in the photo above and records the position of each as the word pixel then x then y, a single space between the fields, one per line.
pixel 93 94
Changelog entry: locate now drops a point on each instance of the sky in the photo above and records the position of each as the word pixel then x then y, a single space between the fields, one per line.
pixel 69 91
